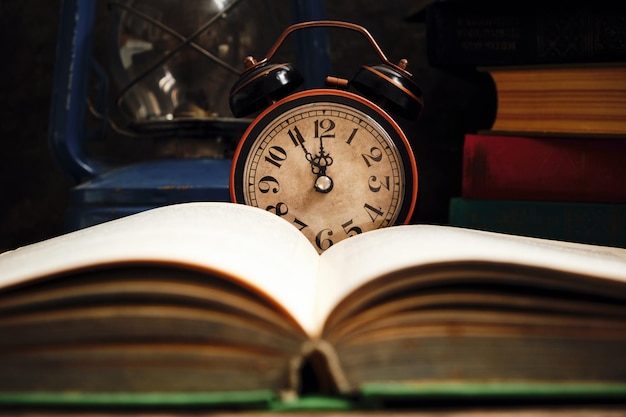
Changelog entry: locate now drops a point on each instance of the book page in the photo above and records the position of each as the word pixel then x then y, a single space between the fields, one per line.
pixel 257 247
pixel 355 261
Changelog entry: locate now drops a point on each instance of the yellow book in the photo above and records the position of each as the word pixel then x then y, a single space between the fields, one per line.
pixel 562 99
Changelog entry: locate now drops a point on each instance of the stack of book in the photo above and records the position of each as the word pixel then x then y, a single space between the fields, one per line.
pixel 564 188
pixel 552 164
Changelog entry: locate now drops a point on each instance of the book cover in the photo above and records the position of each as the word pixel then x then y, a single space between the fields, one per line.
pixel 591 223
pixel 467 34
pixel 583 169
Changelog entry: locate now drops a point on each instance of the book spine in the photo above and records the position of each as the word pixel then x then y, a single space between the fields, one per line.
pixel 492 33
pixel 586 169
pixel 593 223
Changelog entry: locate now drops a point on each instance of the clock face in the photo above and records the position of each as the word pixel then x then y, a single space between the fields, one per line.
pixel 328 161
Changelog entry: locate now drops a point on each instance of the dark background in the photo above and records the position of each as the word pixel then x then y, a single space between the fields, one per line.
pixel 35 189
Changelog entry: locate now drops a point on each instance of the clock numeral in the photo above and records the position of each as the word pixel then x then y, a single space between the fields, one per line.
pixel 375 155
pixel 276 155
pixel 265 187
pixel 352 135
pixel 280 209
pixel 296 136
pixel 376 185
pixel 300 223
pixel 323 242
pixel 373 212
pixel 327 126
pixel 355 230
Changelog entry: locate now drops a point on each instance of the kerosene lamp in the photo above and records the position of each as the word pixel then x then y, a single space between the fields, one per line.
pixel 172 62
pixel 140 115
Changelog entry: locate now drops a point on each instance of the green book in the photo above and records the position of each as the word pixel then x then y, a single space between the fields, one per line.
pixel 245 400
pixel 592 223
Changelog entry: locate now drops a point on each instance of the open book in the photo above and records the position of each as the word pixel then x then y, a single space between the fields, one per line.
pixel 219 298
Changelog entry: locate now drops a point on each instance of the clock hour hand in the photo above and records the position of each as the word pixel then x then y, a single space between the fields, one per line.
pixel 319 162
pixel 297 139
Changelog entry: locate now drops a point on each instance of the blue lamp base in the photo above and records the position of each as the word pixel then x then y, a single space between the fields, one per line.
pixel 134 188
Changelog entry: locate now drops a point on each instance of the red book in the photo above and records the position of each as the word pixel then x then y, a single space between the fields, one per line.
pixel 587 169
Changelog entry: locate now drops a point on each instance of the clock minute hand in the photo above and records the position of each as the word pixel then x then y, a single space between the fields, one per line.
pixel 319 163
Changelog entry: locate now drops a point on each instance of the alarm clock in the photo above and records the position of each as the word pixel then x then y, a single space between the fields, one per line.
pixel 332 161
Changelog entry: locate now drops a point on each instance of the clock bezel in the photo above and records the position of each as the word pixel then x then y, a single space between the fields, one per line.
pixel 380 116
